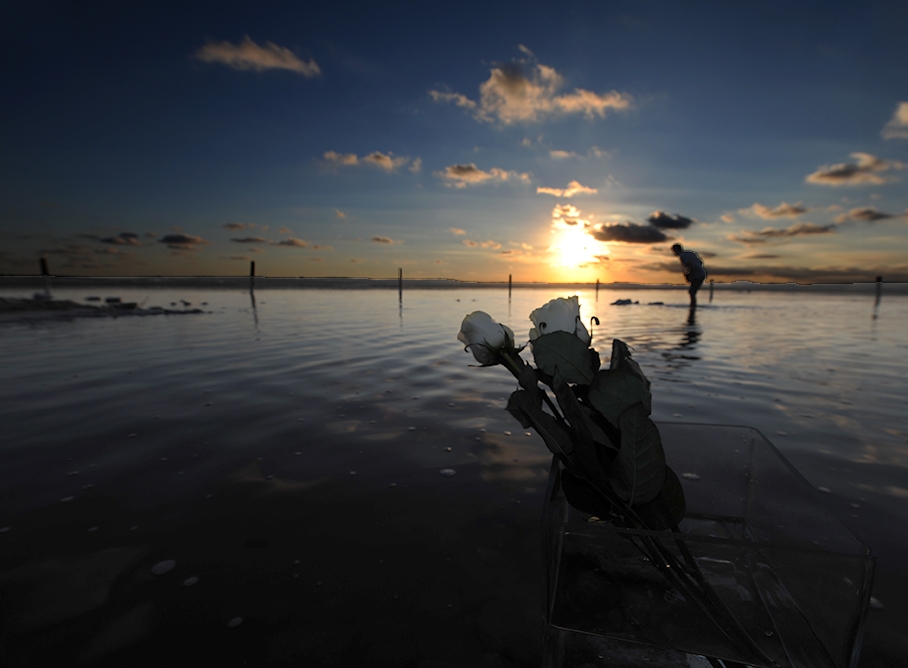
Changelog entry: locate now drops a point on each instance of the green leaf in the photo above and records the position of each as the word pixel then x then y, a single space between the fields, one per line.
pixel 568 354
pixel 585 456
pixel 622 361
pixel 583 496
pixel 514 408
pixel 667 509
pixel 613 391
pixel 638 472
pixel 598 433
pixel 557 438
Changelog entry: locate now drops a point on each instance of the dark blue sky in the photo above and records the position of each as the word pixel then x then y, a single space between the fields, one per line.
pixel 355 138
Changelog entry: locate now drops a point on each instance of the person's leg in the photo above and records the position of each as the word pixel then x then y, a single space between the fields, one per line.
pixel 694 286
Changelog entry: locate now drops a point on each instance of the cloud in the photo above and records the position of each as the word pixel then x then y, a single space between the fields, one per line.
pixel 864 171
pixel 796 230
pixel 567 214
pixel 339 214
pixel 237 226
pixel 562 155
pixel 284 230
pixel 416 167
pixel 235 257
pixel 457 230
pixel 494 245
pixel 123 239
pixel 460 176
pixel 182 242
pixel 630 233
pixel 784 210
pixel 385 161
pixel 290 241
pixel 761 256
pixel 897 127
pixel 249 240
pixel 869 214
pixel 247 55
pixel 321 247
pixel 572 188
pixel 526 91
pixel 665 221
pixel 459 99
pixel 728 218
pixel 383 240
pixel 341 159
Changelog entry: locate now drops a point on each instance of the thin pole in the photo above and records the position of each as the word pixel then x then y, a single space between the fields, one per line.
pixel 46 274
pixel 879 289
pixel 597 288
pixel 252 269
pixel 509 286
pixel 400 284
pixel 710 289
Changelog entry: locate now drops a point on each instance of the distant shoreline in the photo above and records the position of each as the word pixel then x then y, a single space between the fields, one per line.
pixel 341 283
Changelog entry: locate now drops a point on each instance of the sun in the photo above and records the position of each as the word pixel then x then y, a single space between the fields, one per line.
pixel 574 249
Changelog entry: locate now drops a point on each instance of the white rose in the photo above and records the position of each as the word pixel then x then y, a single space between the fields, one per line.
pixel 559 315
pixel 484 337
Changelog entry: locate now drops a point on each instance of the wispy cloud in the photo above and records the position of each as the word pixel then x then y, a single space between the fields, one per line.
pixel 340 159
pixel 526 91
pixel 416 167
pixel 339 214
pixel 863 172
pixel 769 233
pixel 123 239
pixel 727 218
pixel 868 214
pixel 567 214
pixel 897 127
pixel 182 242
pixel 290 241
pixel 386 161
pixel 247 55
pixel 561 155
pixel 237 226
pixel 249 240
pixel 383 240
pixel 494 245
pixel 457 231
pixel 572 188
pixel 460 176
pixel 630 233
pixel 664 221
pixel 784 210
pixel 459 99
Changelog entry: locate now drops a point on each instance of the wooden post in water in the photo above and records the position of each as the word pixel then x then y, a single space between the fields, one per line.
pixel 710 289
pixel 597 288
pixel 509 286
pixel 879 289
pixel 46 274
pixel 252 269
pixel 400 284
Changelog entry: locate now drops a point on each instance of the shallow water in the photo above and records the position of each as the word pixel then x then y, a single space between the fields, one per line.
pixel 285 449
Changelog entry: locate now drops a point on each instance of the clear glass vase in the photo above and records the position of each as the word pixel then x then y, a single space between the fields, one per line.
pixel 785 571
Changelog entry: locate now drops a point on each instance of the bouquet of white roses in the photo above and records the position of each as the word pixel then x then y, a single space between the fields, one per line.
pixel 600 430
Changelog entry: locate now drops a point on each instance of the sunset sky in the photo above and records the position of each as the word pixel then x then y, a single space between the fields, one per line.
pixel 554 142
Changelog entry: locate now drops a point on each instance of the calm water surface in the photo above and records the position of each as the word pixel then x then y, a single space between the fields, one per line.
pixel 286 453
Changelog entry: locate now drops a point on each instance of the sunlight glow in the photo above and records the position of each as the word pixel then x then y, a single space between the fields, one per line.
pixel 573 249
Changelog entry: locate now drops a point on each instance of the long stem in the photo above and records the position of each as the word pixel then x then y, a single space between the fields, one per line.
pixel 516 365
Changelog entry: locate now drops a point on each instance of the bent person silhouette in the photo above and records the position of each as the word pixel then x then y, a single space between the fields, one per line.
pixel 694 271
